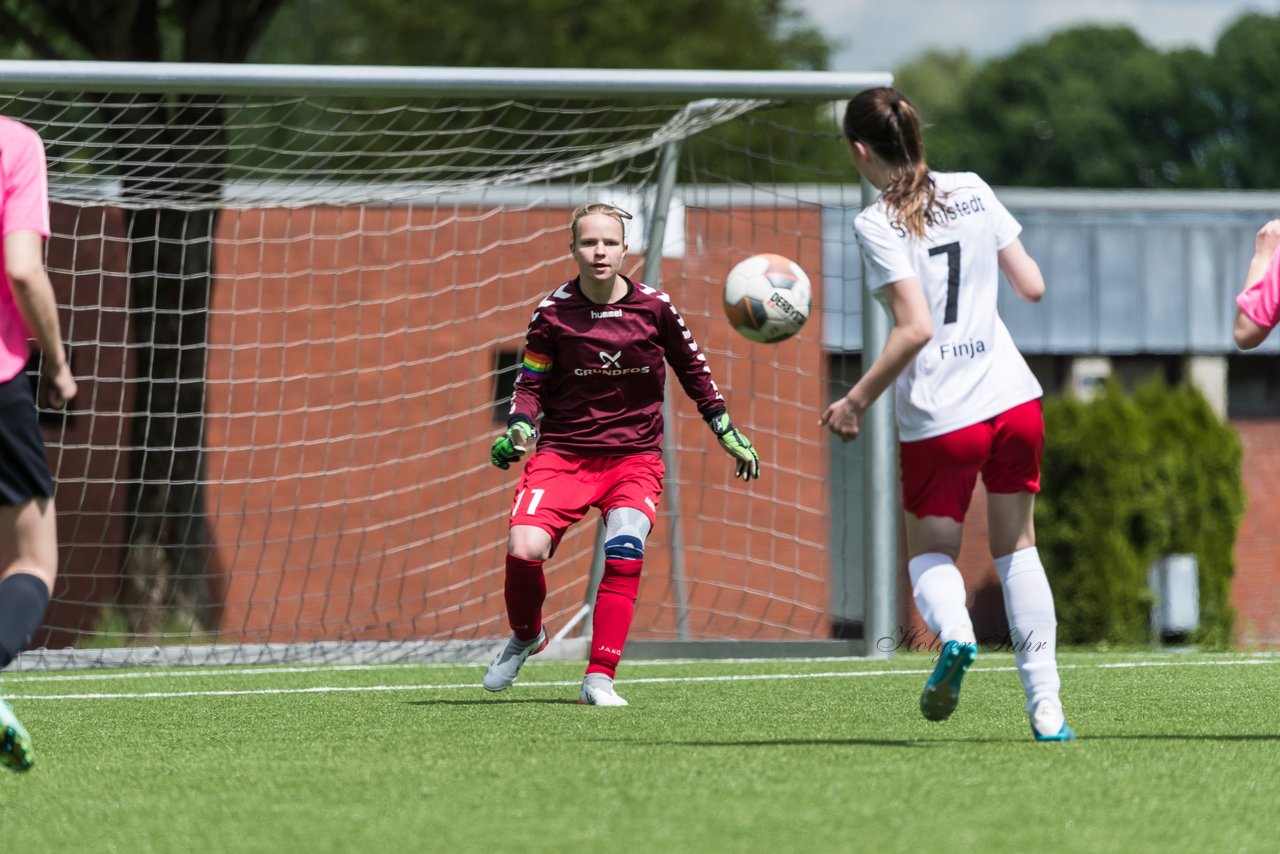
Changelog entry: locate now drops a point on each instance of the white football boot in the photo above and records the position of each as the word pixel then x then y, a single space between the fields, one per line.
pixel 506 666
pixel 1049 724
pixel 597 690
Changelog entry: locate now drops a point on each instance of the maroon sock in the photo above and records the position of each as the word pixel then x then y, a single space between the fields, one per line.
pixel 611 619
pixel 525 591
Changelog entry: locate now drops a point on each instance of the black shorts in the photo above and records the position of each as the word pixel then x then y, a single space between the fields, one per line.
pixel 24 469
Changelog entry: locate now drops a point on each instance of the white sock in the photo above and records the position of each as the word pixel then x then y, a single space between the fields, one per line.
pixel 938 588
pixel 1033 625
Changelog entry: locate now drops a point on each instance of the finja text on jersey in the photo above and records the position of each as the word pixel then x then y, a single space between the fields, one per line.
pixel 941 213
pixel 958 349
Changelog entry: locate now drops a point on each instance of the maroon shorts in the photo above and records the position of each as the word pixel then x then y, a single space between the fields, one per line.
pixel 938 474
pixel 556 491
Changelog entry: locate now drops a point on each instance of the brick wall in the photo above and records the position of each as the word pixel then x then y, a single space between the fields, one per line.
pixel 1255 590
pixel 350 408
pixel 350 404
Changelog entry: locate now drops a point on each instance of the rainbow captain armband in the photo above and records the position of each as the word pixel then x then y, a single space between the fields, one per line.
pixel 534 365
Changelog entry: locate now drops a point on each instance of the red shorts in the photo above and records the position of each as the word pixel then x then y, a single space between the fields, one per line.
pixel 938 474
pixel 556 491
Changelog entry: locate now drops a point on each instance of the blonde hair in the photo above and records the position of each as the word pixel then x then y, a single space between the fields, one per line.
pixel 886 122
pixel 593 208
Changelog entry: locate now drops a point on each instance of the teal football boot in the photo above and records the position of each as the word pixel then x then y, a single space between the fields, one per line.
pixel 15 741
pixel 941 692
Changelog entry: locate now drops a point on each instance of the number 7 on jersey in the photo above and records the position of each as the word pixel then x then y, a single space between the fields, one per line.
pixel 952 251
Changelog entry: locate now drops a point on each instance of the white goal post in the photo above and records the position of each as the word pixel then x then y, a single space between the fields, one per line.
pixel 295 296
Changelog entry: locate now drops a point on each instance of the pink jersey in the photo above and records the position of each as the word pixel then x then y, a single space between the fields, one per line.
pixel 1260 302
pixel 24 206
pixel 596 372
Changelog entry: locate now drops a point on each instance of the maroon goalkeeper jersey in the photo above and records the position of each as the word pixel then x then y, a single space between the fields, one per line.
pixel 596 373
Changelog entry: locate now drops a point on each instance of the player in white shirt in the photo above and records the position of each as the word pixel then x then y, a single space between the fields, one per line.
pixel 967 404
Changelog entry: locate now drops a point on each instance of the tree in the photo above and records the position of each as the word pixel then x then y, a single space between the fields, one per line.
pixel 1246 76
pixel 721 34
pixel 935 83
pixel 168 549
pixel 697 34
pixel 1098 107
pixel 1091 106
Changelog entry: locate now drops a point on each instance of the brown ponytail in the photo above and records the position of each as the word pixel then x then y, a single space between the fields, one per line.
pixel 884 120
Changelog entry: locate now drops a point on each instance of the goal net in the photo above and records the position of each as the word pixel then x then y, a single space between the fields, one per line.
pixel 295 313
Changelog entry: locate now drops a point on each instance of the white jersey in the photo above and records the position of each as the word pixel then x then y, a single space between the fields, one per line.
pixel 970 370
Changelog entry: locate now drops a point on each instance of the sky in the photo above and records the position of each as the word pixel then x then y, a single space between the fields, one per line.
pixel 880 35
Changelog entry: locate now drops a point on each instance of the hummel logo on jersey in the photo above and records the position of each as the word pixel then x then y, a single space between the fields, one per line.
pixel 610 367
pixel 598 315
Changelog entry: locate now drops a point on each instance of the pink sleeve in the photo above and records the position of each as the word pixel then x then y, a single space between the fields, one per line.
pixel 25 184
pixel 1260 302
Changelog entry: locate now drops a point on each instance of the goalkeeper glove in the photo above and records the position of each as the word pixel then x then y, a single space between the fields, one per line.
pixel 737 445
pixel 510 446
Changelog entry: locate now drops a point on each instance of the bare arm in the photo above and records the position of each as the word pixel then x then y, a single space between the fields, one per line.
pixel 1022 271
pixel 912 330
pixel 33 294
pixel 1247 332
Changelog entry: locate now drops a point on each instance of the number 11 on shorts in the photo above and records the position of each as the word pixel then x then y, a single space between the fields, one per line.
pixel 534 498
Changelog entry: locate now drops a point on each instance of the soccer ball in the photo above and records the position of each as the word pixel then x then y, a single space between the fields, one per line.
pixel 767 298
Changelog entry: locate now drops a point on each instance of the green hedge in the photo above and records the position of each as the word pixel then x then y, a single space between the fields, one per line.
pixel 1127 478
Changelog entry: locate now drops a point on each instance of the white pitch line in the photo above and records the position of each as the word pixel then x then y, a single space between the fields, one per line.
pixel 13 677
pixel 322 689
pixel 739 677
pixel 165 673
pixel 1115 664
pixel 269 670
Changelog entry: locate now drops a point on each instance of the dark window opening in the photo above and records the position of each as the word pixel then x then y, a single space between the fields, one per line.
pixel 1133 371
pixel 1050 371
pixel 506 365
pixel 1253 386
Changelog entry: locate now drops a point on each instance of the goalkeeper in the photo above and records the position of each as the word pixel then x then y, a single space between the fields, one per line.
pixel 594 370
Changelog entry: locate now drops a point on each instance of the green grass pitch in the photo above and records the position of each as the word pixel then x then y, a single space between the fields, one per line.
pixel 1177 752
